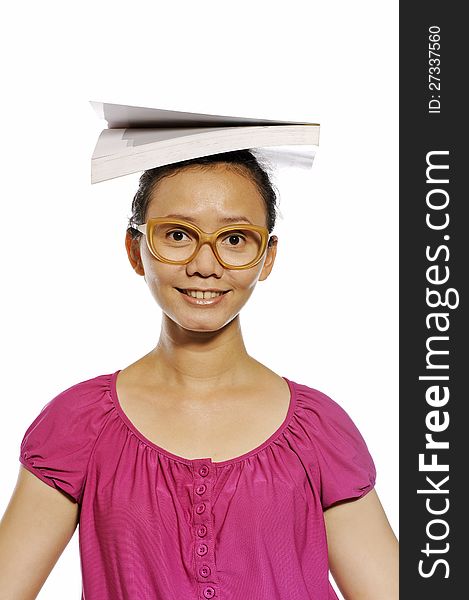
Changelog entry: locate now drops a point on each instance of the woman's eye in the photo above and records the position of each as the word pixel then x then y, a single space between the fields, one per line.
pixel 177 235
pixel 235 239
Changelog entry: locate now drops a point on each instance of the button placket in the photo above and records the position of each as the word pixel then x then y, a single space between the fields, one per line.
pixel 204 547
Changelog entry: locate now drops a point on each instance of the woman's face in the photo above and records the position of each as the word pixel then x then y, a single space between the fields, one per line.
pixel 206 196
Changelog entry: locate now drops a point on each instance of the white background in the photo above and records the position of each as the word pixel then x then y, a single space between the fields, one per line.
pixel 72 307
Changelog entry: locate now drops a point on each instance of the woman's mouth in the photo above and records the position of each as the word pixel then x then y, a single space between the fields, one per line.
pixel 202 298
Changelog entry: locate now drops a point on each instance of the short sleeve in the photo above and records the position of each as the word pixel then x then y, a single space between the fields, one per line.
pixel 57 445
pixel 343 464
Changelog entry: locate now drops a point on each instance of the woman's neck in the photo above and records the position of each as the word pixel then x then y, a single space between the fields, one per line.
pixel 200 361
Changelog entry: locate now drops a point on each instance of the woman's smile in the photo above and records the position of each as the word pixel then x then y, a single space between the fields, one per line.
pixel 202 298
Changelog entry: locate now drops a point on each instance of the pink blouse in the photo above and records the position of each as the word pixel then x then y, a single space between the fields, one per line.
pixel 156 526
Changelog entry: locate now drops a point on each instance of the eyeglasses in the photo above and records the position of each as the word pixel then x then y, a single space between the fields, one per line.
pixel 239 246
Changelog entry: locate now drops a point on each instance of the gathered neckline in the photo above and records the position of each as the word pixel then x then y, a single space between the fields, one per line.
pixel 192 461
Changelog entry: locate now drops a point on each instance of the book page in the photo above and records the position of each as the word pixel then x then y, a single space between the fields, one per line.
pixel 112 141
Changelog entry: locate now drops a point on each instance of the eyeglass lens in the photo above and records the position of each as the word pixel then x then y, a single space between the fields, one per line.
pixel 236 247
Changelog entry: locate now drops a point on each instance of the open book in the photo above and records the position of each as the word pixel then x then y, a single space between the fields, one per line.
pixel 139 138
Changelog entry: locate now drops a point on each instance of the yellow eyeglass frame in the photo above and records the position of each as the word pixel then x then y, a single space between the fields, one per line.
pixel 203 238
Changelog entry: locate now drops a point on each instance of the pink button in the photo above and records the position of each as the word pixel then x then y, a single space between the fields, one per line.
pixel 201 530
pixel 199 509
pixel 200 489
pixel 203 470
pixel 209 592
pixel 205 571
pixel 202 549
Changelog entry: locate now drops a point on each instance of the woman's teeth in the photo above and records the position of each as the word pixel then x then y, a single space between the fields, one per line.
pixel 204 295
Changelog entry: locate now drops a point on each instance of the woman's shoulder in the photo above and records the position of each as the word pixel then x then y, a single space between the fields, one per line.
pixel 344 465
pixel 82 395
pixel 319 406
pixel 80 406
pixel 58 442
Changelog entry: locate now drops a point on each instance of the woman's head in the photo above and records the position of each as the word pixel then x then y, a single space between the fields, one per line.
pixel 209 192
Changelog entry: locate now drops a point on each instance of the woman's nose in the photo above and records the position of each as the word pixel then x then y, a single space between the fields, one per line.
pixel 205 261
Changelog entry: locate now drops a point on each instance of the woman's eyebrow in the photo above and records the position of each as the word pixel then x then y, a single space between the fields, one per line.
pixel 221 220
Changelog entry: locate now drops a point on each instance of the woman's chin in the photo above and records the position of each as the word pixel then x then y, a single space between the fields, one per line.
pixel 201 323
pixel 202 327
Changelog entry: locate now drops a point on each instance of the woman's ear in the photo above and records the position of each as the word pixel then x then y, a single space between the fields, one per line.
pixel 132 246
pixel 270 258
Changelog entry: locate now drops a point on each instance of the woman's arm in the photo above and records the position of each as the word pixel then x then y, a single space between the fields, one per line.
pixel 37 525
pixel 363 550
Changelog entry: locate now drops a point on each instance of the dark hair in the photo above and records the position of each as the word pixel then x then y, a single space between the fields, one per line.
pixel 242 161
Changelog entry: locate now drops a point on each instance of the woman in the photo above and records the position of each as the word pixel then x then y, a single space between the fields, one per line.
pixel 196 471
